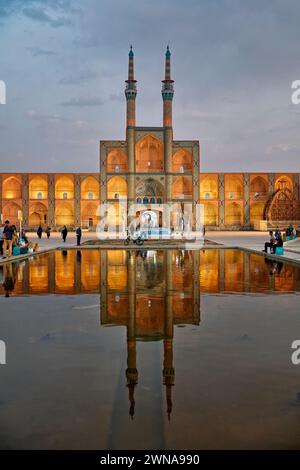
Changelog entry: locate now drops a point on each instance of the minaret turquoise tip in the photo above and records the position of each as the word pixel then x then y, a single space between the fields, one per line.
pixel 130 52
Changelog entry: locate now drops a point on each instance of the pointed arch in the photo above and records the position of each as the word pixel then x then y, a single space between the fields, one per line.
pixel 182 188
pixel 283 182
pixel 256 213
pixel 12 188
pixel 149 154
pixel 64 187
pixel 233 186
pixel 64 213
pixel 90 188
pixel 116 187
pixel 116 161
pixel 38 187
pixel 38 214
pixel 182 161
pixel 233 214
pixel 209 187
pixel 10 212
pixel 210 213
pixel 258 186
pixel 282 207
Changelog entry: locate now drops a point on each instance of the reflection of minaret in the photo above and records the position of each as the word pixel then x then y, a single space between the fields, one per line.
pixel 168 370
pixel 131 371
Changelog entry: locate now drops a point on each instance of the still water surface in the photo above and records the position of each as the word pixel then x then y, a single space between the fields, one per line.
pixel 152 349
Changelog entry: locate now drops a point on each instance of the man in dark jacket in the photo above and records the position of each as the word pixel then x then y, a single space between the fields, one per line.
pixel 78 235
pixel 8 238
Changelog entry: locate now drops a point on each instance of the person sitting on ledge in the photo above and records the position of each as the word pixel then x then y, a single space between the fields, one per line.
pixel 278 240
pixel 270 244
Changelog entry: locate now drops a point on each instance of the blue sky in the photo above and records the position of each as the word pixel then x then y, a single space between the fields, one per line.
pixel 64 63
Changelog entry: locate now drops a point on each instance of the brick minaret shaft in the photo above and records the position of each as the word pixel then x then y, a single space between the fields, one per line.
pixel 130 93
pixel 167 96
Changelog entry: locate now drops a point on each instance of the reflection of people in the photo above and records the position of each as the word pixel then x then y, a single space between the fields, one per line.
pixel 9 278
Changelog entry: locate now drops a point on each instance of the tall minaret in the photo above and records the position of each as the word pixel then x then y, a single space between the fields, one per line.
pixel 130 90
pixel 167 91
pixel 130 93
pixel 167 95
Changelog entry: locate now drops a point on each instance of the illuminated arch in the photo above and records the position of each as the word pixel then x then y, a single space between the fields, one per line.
pixel 149 155
pixel 182 188
pixel 116 161
pixel 38 187
pixel 283 182
pixel 233 214
pixel 90 188
pixel 209 187
pixel 64 213
pixel 282 207
pixel 89 216
pixel 12 188
pixel 258 186
pixel 64 187
pixel 116 187
pixel 10 212
pixel 38 213
pixel 210 213
pixel 182 160
pixel 233 187
pixel 256 212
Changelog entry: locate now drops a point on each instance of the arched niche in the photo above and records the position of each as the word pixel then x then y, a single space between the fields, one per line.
pixel 149 155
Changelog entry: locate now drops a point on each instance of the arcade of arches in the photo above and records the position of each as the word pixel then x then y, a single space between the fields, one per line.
pixel 229 201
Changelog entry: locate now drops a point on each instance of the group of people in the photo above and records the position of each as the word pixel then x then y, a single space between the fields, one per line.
pixel 291 232
pixel 276 241
pixel 64 233
pixel 12 242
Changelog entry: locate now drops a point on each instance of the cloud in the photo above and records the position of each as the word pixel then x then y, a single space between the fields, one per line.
pixel 39 14
pixel 57 120
pixel 78 78
pixel 82 102
pixel 37 51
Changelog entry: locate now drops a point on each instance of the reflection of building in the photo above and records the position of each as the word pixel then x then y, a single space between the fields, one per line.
pixel 79 272
pixel 150 168
pixel 160 291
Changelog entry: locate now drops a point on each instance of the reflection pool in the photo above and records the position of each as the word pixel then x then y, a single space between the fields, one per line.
pixel 161 349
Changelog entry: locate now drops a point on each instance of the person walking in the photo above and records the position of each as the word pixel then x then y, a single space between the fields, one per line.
pixel 39 231
pixel 8 238
pixel 64 233
pixel 48 231
pixel 78 235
